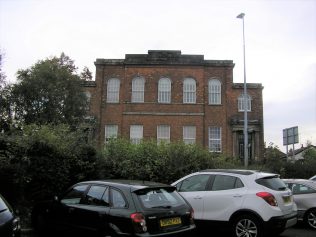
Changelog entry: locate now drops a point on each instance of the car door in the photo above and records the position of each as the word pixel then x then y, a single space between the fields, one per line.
pixel 91 214
pixel 63 210
pixel 224 198
pixel 120 211
pixel 193 189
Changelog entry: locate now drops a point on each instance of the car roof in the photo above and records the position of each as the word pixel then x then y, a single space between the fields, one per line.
pixel 238 171
pixel 301 181
pixel 132 184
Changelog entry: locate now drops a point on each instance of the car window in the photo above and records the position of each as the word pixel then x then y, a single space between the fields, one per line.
pixel 302 189
pixel 224 182
pixel 74 195
pixel 117 198
pixel 272 182
pixel 194 183
pixel 97 195
pixel 160 197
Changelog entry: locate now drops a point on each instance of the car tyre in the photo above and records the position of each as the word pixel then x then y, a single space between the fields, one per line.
pixel 247 226
pixel 310 218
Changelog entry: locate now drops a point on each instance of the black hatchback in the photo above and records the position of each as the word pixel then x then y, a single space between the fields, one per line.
pixel 114 208
pixel 9 222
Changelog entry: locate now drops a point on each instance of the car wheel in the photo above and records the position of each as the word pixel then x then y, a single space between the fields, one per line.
pixel 310 218
pixel 247 226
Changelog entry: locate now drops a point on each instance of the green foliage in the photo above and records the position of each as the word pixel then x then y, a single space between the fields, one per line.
pixel 45 160
pixel 273 159
pixel 157 162
pixel 49 92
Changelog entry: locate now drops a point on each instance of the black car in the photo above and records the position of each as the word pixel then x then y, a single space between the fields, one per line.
pixel 114 208
pixel 9 222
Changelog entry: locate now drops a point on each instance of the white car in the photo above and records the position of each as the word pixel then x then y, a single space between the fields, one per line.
pixel 304 192
pixel 250 203
pixel 313 178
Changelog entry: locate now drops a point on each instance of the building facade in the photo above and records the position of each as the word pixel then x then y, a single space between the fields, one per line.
pixel 169 96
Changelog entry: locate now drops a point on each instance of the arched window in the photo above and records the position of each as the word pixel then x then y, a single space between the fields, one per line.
pixel 214 92
pixel 241 103
pixel 189 91
pixel 164 90
pixel 113 91
pixel 138 88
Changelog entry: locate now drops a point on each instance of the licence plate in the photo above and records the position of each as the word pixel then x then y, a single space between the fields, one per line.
pixel 287 199
pixel 170 221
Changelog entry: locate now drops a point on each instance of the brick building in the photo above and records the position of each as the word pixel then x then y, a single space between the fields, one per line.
pixel 170 96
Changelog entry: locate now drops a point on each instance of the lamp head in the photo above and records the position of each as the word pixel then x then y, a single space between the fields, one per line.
pixel 241 16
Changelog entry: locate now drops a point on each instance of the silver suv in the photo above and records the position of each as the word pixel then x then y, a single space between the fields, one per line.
pixel 251 203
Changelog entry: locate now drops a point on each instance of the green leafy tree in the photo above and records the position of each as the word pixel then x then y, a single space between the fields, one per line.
pixel 86 74
pixel 49 92
pixel 5 94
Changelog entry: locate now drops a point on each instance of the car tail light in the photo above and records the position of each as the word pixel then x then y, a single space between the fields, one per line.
pixel 139 222
pixel 268 197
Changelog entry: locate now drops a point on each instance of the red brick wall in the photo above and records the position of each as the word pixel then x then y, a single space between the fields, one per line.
pixel 202 115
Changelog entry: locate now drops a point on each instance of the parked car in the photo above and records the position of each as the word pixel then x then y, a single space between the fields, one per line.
pixel 246 202
pixel 9 222
pixel 116 207
pixel 304 192
pixel 313 178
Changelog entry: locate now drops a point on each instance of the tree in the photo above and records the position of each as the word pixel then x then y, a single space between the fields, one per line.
pixel 2 75
pixel 5 93
pixel 86 74
pixel 49 92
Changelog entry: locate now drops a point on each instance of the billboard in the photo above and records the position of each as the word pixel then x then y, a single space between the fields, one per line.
pixel 290 136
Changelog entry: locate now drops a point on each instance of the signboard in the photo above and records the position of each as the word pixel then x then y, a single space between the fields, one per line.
pixel 290 136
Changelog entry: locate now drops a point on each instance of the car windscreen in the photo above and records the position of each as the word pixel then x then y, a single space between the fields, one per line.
pixel 272 182
pixel 159 198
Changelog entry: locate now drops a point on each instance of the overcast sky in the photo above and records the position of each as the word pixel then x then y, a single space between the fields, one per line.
pixel 280 43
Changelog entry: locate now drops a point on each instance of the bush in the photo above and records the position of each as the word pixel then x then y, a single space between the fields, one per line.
pixel 41 161
pixel 164 162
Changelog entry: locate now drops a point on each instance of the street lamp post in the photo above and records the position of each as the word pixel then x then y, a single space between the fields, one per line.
pixel 242 16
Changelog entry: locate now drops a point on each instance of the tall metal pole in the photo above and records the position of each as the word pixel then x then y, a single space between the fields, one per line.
pixel 242 16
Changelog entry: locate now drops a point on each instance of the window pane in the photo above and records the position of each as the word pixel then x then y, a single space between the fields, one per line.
pixel 189 134
pixel 194 183
pixel 164 90
pixel 241 103
pixel 110 132
pixel 223 182
pixel 214 90
pixel 74 195
pixel 95 196
pixel 117 198
pixel 189 91
pixel 163 133
pixel 136 133
pixel 215 139
pixel 159 197
pixel 138 84
pixel 113 89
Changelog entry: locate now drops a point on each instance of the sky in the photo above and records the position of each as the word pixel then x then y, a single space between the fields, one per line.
pixel 280 40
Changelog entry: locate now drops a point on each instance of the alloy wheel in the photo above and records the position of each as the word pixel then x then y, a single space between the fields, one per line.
pixel 246 228
pixel 311 218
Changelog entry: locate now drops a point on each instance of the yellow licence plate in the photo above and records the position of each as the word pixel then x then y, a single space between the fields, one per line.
pixel 170 221
pixel 287 199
